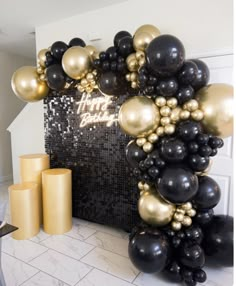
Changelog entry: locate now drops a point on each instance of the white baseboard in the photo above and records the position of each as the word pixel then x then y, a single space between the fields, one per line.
pixel 7 178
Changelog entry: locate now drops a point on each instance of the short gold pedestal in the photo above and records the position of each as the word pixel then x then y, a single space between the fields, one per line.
pixel 24 207
pixel 57 200
pixel 31 167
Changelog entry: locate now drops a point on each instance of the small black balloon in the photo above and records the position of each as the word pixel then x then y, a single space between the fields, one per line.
pixel 199 276
pixel 205 151
pixel 153 172
pixel 203 75
pixel 193 147
pixel 208 194
pixel 188 130
pixel 165 55
pixel 77 42
pixel 184 94
pixel 172 272
pixel 125 46
pixel 188 73
pixel 134 154
pixel 194 233
pixel 49 59
pixel 218 240
pixel 103 56
pixel 149 250
pixel 58 49
pixel 192 256
pixel 204 217
pixel 120 35
pixel 167 87
pixel 178 184
pixel 173 150
pixel 110 83
pixel 202 139
pixel 112 53
pixel 216 142
pixel 56 78
pixel 198 163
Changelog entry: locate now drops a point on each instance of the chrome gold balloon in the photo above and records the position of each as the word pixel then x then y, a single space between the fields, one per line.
pixel 139 116
pixel 142 40
pixel 27 85
pixel 216 102
pixel 42 57
pixel 150 29
pixel 76 62
pixel 154 210
pixel 92 51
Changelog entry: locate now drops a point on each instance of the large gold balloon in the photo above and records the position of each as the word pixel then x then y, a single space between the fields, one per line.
pixel 154 210
pixel 142 40
pixel 216 102
pixel 27 85
pixel 149 29
pixel 76 62
pixel 139 116
pixel 42 57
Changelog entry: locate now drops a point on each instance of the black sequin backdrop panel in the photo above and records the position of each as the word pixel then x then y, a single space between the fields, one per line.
pixel 103 189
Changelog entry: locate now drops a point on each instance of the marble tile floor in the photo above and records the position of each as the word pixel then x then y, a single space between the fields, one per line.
pixel 88 255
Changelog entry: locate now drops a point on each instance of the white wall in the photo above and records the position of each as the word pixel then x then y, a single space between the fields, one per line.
pixel 10 106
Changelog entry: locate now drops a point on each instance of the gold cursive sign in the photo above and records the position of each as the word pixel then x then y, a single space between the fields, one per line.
pixel 95 110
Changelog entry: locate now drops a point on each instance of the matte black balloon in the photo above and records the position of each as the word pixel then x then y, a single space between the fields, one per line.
pixel 203 75
pixel 188 73
pixel 204 217
pixel 208 194
pixel 188 130
pixel 184 94
pixel 167 87
pixel 109 83
pixel 77 42
pixel 192 256
pixel 120 35
pixel 178 184
pixel 58 49
pixel 134 154
pixel 165 55
pixel 149 250
pixel 125 46
pixel 56 78
pixel 218 240
pixel 172 272
pixel 198 163
pixel 173 150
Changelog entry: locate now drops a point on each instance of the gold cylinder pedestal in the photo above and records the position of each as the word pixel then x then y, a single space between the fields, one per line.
pixel 31 167
pixel 57 200
pixel 24 209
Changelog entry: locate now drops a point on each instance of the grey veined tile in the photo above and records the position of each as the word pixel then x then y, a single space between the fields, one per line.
pixel 42 279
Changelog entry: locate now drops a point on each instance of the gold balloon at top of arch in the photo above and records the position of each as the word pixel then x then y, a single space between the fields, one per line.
pixel 27 85
pixel 42 57
pixel 216 102
pixel 76 62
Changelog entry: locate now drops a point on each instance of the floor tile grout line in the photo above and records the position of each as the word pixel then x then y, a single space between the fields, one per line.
pixel 39 255
pixel 84 276
pixel 29 278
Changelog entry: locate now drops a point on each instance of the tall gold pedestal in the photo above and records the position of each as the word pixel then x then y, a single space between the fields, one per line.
pixel 57 201
pixel 24 207
pixel 31 167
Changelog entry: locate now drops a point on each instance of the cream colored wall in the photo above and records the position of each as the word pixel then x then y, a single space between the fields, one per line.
pixel 10 106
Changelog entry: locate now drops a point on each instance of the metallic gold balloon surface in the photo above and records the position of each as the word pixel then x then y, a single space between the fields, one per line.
pixel 27 85
pixel 139 116
pixel 216 102
pixel 92 51
pixel 142 40
pixel 42 57
pixel 76 62
pixel 150 29
pixel 154 210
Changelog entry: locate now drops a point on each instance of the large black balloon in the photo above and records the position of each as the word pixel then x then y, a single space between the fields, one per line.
pixel 125 46
pixel 149 250
pixel 173 150
pixel 165 55
pixel 58 49
pixel 218 240
pixel 178 184
pixel 203 75
pixel 134 154
pixel 110 83
pixel 77 42
pixel 204 217
pixel 120 35
pixel 56 78
pixel 208 194
pixel 192 255
pixel 188 73
pixel 188 130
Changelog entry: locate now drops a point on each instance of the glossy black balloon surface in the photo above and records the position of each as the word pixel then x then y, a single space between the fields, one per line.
pixel 56 77
pixel 203 75
pixel 185 93
pixel 58 49
pixel 109 83
pixel 204 217
pixel 77 42
pixel 188 130
pixel 198 163
pixel 172 272
pixel 173 150
pixel 125 46
pixel 192 256
pixel 134 154
pixel 188 73
pixel 120 35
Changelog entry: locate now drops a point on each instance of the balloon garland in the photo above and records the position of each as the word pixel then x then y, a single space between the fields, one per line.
pixel 175 118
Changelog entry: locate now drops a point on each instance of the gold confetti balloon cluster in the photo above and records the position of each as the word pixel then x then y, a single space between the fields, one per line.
pixel 183 216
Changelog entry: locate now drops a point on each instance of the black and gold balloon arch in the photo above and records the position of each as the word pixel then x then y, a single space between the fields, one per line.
pixel 176 119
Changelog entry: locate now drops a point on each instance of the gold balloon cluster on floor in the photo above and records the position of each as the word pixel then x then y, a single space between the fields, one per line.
pixel 182 216
pixel 88 83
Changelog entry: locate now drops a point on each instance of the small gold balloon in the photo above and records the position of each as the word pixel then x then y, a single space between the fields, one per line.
pixel 80 88
pixel 133 76
pixel 172 102
pixel 141 41
pixel 132 63
pixel 141 141
pixel 176 225
pixel 42 77
pixel 84 82
pixel 146 187
pixel 42 57
pixel 89 89
pixel 27 85
pixel 89 76
pixel 169 129
pixel 153 138
pixel 187 206
pixel 187 221
pixel 160 131
pixel 40 70
pixel 154 210
pixel 134 84
pixel 184 114
pixel 150 29
pixel 191 212
pixel 160 101
pixel 139 55
pixel 165 121
pixel 140 185
pixel 191 105
pixel 147 147
pixel 76 62
pixel 181 211
pixel 139 116
pixel 141 62
pixel 91 50
pixel 197 115
pixel 178 217
pixel 128 77
pixel 165 111
pixel 216 102
pixel 175 114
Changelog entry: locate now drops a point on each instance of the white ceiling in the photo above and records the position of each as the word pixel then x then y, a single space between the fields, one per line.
pixel 18 19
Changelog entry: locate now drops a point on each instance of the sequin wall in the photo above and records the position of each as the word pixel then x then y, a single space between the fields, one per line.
pixel 82 133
